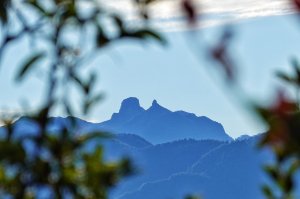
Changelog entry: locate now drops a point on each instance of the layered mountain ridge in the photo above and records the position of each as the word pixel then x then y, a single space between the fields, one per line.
pixel 208 168
pixel 175 154
pixel 158 124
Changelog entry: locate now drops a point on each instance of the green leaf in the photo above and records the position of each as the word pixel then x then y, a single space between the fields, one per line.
pixel 296 66
pixel 268 192
pixel 286 78
pixel 27 66
pixel 272 171
pixel 148 34
pixel 294 167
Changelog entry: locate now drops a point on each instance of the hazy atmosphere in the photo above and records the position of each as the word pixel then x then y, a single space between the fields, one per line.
pixel 149 99
pixel 190 83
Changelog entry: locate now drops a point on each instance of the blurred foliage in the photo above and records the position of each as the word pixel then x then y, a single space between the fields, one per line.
pixel 56 163
pixel 48 164
pixel 283 137
pixel 283 119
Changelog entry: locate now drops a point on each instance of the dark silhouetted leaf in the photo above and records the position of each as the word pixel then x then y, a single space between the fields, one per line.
pixel 268 192
pixel 4 6
pixel 28 64
pixel 102 38
pixel 220 53
pixel 144 34
pixel 285 77
pixel 190 11
pixel 149 34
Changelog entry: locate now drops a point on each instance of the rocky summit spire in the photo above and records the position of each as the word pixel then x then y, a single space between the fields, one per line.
pixel 159 125
pixel 154 103
pixel 156 107
pixel 130 106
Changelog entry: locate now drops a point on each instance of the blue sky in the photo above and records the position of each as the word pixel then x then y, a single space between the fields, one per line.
pixel 179 77
pixel 166 14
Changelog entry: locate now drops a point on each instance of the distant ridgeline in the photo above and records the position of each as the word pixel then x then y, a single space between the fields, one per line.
pixel 175 154
pixel 159 125
pixel 156 124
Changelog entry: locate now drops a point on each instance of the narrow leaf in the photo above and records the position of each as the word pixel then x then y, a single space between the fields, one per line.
pixel 147 34
pixel 27 66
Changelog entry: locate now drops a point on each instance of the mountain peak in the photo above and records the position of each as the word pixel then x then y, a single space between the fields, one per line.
pixel 157 107
pixel 158 124
pixel 130 107
pixel 130 102
pixel 154 103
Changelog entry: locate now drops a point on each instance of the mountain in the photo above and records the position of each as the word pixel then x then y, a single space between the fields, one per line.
pixel 159 125
pixel 161 161
pixel 225 170
pixel 209 168
pixel 210 164
pixel 156 124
